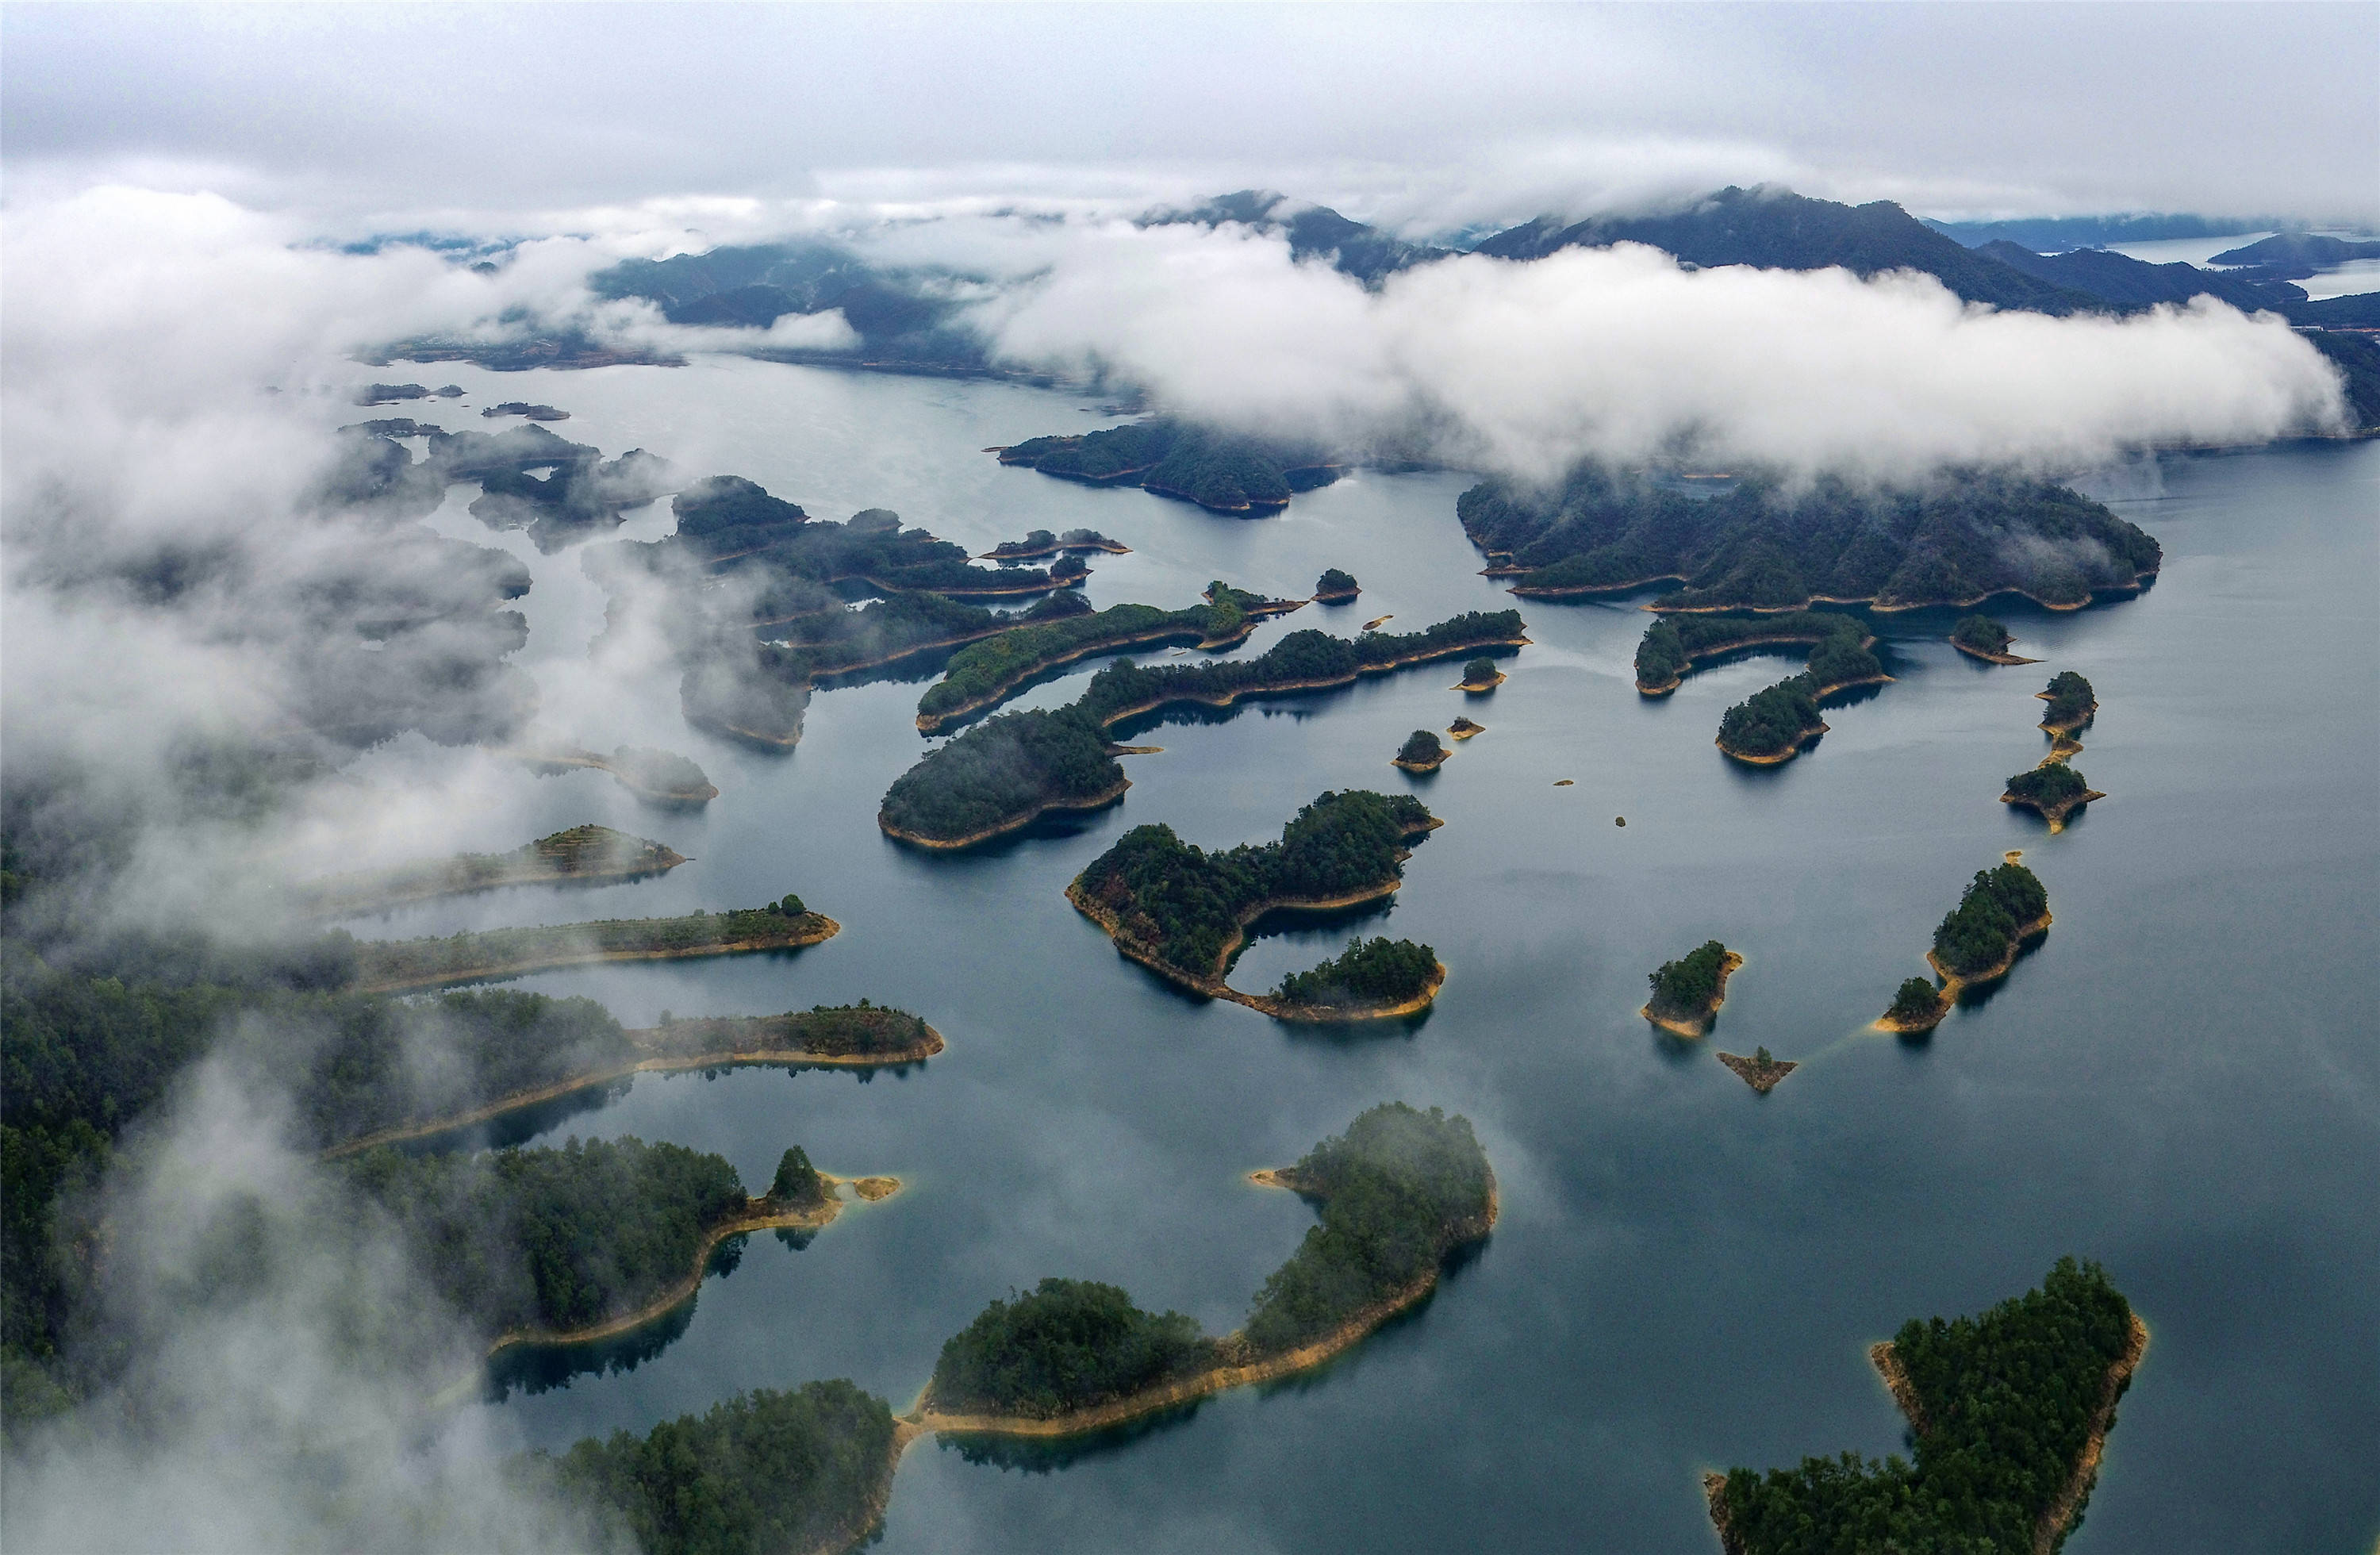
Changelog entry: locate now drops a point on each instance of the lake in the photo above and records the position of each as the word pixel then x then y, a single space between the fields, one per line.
pixel 2182 1081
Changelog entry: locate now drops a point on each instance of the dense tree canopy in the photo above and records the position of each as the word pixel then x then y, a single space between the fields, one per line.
pixel 1772 544
pixel 1376 971
pixel 1772 722
pixel 2049 784
pixel 1838 654
pixel 552 1239
pixel 1007 768
pixel 1421 748
pixel 2071 700
pixel 1065 1345
pixel 760 1473
pixel 1687 986
pixel 1225 471
pixel 1982 633
pixel 1917 998
pixel 2006 1402
pixel 1984 928
pixel 499 952
pixel 1183 906
pixel 1397 1190
pixel 1335 584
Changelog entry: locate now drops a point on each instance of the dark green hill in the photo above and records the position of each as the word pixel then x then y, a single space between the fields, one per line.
pixel 1777 230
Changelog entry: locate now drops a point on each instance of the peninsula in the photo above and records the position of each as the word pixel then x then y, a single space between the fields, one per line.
pixel 1772 726
pixel 1420 753
pixel 1335 587
pixel 1012 768
pixel 2053 791
pixel 1185 913
pixel 410 965
pixel 588 854
pixel 2011 1414
pixel 1767 542
pixel 1977 942
pixel 1397 1193
pixel 861 1036
pixel 1980 637
pixel 1687 993
pixel 2072 703
pixel 1223 472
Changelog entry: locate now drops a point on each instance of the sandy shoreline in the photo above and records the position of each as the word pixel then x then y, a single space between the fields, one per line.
pixel 1945 998
pixel 925 1419
pixel 934 723
pixel 1699 1025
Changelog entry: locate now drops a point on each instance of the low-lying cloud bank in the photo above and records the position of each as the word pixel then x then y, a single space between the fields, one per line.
pixel 1624 354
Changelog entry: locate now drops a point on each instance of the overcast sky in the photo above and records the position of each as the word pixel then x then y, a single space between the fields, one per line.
pixel 1431 115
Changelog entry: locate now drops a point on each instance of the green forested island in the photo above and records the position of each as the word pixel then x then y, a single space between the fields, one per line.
pixel 1397 1191
pixel 1917 1005
pixel 661 778
pixel 1223 472
pixel 797 1472
pixel 1772 725
pixel 755 600
pixel 2072 703
pixel 1480 675
pixel 588 854
pixel 1980 637
pixel 1767 543
pixel 402 966
pixel 1687 993
pixel 1042 542
pixel 1369 976
pixel 552 1242
pixel 1184 912
pixel 1977 941
pixel 1421 752
pixel 2053 790
pixel 2008 1411
pixel 1335 587
pixel 1014 767
pixel 984 674
pixel 1839 646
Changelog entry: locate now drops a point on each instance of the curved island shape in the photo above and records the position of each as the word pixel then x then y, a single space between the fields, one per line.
pixel 860 1036
pixel 1999 913
pixel 2010 1411
pixel 1674 644
pixel 413 966
pixel 1072 1357
pixel 1014 768
pixel 988 672
pixel 1185 913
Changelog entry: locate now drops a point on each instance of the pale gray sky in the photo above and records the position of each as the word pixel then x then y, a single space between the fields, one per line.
pixel 363 114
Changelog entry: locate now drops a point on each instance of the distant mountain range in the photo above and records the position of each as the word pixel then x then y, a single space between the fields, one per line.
pixel 907 319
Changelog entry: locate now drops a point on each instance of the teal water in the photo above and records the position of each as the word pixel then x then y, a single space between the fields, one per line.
pixel 2182 1081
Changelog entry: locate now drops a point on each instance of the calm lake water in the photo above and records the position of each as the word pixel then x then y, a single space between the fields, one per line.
pixel 2182 1081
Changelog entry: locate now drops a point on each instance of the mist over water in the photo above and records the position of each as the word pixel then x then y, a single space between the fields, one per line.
pixel 2176 1082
